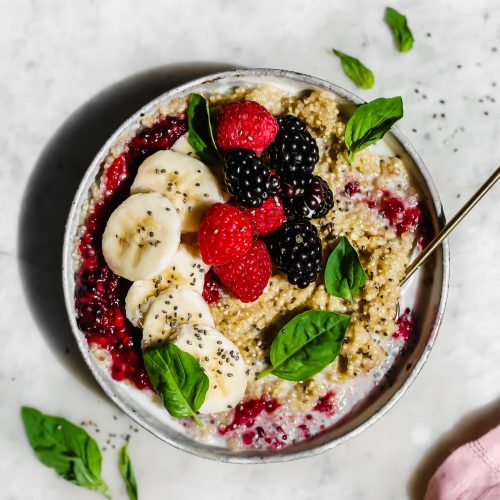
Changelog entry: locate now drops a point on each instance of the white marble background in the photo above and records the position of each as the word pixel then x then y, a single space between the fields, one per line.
pixel 57 56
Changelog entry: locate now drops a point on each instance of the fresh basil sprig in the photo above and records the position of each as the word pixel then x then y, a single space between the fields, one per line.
pixel 370 122
pixel 178 378
pixel 344 274
pixel 201 136
pixel 306 344
pixel 356 70
pixel 399 27
pixel 127 473
pixel 65 447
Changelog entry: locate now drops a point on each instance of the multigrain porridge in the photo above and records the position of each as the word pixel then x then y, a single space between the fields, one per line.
pixel 224 314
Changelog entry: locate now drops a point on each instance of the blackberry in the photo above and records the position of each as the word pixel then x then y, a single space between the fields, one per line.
pixel 247 178
pixel 296 250
pixel 307 196
pixel 294 151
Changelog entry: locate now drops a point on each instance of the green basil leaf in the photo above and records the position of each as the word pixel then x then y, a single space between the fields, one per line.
pixel 200 136
pixel 344 274
pixel 370 122
pixel 66 448
pixel 399 27
pixel 306 344
pixel 356 70
pixel 127 473
pixel 178 378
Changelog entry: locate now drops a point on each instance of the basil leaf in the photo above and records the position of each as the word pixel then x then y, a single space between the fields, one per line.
pixel 127 473
pixel 370 122
pixel 399 27
pixel 306 344
pixel 356 70
pixel 178 378
pixel 66 448
pixel 200 135
pixel 344 274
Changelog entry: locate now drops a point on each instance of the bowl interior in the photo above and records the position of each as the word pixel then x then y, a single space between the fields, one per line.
pixel 425 294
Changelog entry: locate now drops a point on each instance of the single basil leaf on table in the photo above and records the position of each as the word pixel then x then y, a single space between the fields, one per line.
pixel 127 473
pixel 344 274
pixel 370 122
pixel 306 344
pixel 399 27
pixel 178 378
pixel 65 447
pixel 356 70
pixel 201 136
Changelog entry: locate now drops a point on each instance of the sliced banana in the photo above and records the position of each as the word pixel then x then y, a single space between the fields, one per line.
pixel 175 306
pixel 221 361
pixel 141 236
pixel 185 268
pixel 181 145
pixel 186 181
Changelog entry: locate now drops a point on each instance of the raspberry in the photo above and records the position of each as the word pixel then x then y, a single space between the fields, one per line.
pixel 212 291
pixel 268 217
pixel 247 276
pixel 246 125
pixel 225 234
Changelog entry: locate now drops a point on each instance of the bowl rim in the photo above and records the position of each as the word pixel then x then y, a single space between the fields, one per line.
pixel 68 274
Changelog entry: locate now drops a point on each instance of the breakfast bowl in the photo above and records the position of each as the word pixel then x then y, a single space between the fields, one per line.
pixel 383 201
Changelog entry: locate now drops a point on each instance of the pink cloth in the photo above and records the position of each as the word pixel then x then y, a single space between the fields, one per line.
pixel 470 473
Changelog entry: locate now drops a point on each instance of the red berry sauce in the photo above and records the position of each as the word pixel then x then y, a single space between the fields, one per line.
pixel 351 189
pixel 405 325
pixel 253 423
pixel 99 293
pixel 257 423
pixel 212 291
pixel 325 404
pixel 246 413
pixel 401 217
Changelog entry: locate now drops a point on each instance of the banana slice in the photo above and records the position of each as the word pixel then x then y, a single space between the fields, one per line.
pixel 141 236
pixel 175 306
pixel 186 268
pixel 221 361
pixel 187 182
pixel 181 145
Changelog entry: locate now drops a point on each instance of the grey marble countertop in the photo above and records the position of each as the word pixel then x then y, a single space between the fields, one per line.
pixel 71 71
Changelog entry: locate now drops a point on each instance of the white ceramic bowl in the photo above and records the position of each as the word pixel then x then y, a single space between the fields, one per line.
pixel 426 293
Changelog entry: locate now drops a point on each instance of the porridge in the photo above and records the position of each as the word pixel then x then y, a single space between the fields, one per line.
pixel 215 281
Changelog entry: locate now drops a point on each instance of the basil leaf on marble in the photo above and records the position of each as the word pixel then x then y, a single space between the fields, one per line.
pixel 370 122
pixel 306 344
pixel 127 473
pixel 178 378
pixel 66 448
pixel 356 70
pixel 201 136
pixel 400 30
pixel 344 274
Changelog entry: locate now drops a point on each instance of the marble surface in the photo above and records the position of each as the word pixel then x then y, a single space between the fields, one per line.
pixel 71 71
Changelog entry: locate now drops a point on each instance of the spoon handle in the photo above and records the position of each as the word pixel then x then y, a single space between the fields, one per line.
pixel 452 224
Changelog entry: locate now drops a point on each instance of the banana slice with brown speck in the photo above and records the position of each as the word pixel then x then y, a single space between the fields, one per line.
pixel 186 268
pixel 187 182
pixel 141 236
pixel 221 361
pixel 175 306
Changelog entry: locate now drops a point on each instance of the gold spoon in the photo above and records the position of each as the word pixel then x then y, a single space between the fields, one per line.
pixel 451 225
